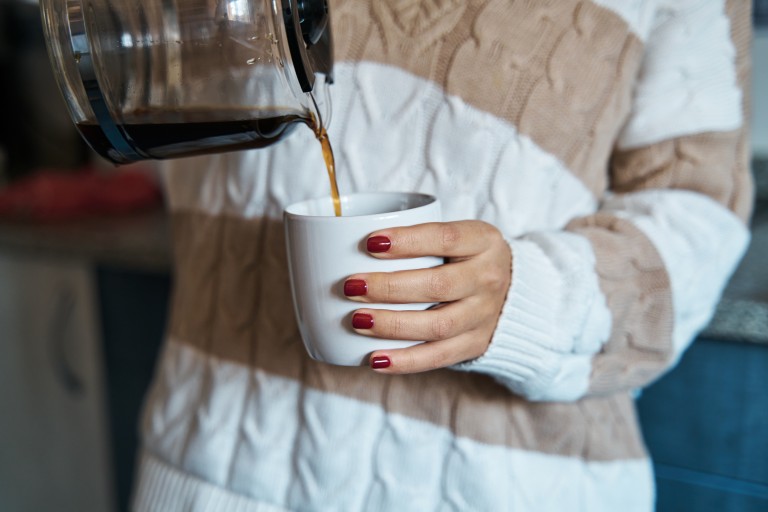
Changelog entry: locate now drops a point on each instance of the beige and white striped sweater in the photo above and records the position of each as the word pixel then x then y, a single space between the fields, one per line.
pixel 604 138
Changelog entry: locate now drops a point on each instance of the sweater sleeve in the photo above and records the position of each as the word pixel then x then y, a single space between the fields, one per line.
pixel 612 301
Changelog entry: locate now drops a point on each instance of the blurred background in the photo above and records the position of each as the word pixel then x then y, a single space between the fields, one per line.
pixel 85 281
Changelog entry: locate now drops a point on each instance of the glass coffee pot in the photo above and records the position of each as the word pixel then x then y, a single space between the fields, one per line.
pixel 155 79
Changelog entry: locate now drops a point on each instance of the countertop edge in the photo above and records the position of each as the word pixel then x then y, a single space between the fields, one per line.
pixel 739 320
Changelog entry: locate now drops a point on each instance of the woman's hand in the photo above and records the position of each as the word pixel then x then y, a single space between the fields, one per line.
pixel 470 287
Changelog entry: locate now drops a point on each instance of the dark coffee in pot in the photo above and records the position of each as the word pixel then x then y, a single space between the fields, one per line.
pixel 187 132
pixel 181 133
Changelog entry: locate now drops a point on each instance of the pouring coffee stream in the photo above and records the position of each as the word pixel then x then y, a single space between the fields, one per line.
pixel 330 162
pixel 330 165
pixel 143 80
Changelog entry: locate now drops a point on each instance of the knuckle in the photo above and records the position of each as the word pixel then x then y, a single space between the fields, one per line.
pixel 495 273
pixel 485 276
pixel 489 230
pixel 441 327
pixel 450 236
pixel 396 327
pixel 408 363
pixel 391 290
pixel 493 278
pixel 439 286
pixel 405 241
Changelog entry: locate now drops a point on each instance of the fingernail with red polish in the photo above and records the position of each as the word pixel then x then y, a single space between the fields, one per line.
pixel 355 287
pixel 362 321
pixel 378 244
pixel 380 362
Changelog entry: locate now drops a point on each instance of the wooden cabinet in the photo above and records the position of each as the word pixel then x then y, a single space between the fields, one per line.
pixel 54 453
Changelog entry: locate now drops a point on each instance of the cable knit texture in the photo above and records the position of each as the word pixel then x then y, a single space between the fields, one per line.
pixel 603 138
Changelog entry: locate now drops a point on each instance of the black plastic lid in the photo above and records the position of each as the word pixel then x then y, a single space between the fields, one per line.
pixel 308 28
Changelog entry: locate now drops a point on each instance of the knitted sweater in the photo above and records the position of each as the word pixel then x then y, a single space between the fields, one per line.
pixel 604 138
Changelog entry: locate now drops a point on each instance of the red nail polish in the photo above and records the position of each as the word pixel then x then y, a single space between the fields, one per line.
pixel 355 287
pixel 378 244
pixel 379 362
pixel 362 321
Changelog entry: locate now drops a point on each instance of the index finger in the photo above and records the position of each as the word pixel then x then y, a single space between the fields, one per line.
pixel 459 239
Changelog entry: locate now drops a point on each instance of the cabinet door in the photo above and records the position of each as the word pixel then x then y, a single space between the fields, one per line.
pixel 53 432
pixel 705 425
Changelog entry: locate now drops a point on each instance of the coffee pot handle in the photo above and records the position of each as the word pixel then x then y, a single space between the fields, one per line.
pixel 308 30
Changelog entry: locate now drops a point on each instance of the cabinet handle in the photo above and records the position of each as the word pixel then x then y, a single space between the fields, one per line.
pixel 59 331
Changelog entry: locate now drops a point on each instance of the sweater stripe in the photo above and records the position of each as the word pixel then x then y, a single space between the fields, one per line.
pixel 524 77
pixel 687 82
pixel 695 237
pixel 446 399
pixel 398 462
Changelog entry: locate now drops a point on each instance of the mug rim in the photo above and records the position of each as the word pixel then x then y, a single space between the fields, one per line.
pixel 290 213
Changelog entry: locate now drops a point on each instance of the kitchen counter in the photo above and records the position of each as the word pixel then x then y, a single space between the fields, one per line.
pixel 742 314
pixel 140 241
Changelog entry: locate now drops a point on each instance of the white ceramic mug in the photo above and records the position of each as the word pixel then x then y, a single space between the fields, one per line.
pixel 324 250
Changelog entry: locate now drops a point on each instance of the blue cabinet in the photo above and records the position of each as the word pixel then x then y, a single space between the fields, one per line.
pixel 133 308
pixel 706 426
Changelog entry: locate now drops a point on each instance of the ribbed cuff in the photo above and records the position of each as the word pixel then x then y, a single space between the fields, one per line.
pixel 524 353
